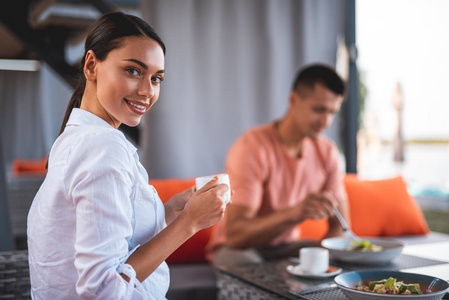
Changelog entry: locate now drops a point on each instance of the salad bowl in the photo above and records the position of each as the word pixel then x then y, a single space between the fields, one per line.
pixel 432 288
pixel 340 249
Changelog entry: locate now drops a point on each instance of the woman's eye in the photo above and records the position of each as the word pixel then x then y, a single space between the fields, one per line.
pixel 158 79
pixel 133 72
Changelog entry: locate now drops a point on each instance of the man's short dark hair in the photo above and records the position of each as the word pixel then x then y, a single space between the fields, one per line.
pixel 310 75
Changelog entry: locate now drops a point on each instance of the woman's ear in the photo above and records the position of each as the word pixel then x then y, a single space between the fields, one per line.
pixel 90 66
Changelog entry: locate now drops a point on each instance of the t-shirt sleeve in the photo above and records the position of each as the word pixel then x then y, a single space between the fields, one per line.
pixel 246 165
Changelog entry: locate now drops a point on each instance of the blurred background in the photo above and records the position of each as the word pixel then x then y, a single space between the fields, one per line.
pixel 230 66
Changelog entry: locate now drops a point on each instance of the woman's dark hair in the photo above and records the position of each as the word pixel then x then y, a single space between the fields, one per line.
pixel 105 35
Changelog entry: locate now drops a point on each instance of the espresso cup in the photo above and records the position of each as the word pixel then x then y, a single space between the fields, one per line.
pixel 313 260
pixel 222 178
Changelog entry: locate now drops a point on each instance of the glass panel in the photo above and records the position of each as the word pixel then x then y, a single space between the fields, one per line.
pixel 403 63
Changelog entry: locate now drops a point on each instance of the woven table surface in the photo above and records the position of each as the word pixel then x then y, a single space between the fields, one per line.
pixel 272 278
pixel 14 275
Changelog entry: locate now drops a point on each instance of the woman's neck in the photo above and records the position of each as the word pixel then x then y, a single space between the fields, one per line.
pixel 91 103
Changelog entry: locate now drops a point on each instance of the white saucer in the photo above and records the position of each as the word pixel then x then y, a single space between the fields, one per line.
pixel 294 270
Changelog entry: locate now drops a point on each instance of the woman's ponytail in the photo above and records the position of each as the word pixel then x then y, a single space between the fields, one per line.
pixel 75 101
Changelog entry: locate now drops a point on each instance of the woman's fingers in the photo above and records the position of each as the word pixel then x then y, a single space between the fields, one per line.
pixel 207 205
pixel 215 190
pixel 213 182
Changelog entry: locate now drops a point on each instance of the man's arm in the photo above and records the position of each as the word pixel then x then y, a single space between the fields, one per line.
pixel 245 229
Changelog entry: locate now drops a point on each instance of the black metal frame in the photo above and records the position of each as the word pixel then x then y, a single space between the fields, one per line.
pixel 351 105
pixel 48 43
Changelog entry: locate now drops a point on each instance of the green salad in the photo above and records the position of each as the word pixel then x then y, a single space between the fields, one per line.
pixel 364 246
pixel 390 286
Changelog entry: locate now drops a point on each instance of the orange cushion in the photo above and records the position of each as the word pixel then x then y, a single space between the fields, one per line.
pixel 193 250
pixel 166 188
pixel 313 229
pixel 383 208
pixel 27 167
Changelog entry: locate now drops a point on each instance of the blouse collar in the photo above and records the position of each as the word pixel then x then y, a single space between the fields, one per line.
pixel 80 116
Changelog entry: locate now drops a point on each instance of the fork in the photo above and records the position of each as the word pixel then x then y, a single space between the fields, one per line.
pixel 345 226
pixel 432 284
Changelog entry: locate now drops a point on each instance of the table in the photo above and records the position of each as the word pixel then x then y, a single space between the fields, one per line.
pixel 14 275
pixel 439 251
pixel 270 280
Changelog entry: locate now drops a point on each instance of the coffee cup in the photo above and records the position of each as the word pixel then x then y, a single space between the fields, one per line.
pixel 313 260
pixel 222 178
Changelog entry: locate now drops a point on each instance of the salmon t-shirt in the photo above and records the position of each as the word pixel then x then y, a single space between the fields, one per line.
pixel 265 177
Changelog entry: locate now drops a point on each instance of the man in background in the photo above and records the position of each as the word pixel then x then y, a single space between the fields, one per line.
pixel 282 174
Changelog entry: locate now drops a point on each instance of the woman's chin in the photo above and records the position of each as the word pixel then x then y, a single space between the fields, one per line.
pixel 132 123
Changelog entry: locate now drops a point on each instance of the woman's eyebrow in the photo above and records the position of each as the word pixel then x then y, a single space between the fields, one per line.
pixel 142 64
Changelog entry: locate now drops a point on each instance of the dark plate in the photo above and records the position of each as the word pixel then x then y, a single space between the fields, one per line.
pixel 347 282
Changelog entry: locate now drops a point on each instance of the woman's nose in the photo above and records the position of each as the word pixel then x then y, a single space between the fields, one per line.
pixel 146 89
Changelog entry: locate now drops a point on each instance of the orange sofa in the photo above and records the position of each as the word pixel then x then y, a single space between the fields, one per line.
pixel 29 167
pixel 377 208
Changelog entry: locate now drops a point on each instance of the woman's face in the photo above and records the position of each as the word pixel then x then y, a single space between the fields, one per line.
pixel 128 81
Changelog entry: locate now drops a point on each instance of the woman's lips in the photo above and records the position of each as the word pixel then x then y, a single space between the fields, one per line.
pixel 137 107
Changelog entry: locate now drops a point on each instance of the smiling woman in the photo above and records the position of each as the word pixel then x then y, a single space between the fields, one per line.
pixel 96 226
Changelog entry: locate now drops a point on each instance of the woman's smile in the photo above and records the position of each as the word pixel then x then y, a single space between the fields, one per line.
pixel 138 107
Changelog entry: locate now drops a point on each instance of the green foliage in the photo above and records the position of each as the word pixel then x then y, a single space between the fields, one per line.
pixel 363 93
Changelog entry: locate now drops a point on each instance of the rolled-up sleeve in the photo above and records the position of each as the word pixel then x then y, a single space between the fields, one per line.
pixel 101 191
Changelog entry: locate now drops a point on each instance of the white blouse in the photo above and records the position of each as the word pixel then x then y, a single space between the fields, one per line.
pixel 94 208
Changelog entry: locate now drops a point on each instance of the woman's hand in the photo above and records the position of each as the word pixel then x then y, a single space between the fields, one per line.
pixel 207 205
pixel 176 204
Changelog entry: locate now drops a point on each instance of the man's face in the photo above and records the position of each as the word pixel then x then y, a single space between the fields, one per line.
pixel 314 112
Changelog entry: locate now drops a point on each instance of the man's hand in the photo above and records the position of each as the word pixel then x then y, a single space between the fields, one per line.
pixel 315 206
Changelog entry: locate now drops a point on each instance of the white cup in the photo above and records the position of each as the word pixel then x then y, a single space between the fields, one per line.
pixel 222 178
pixel 313 260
